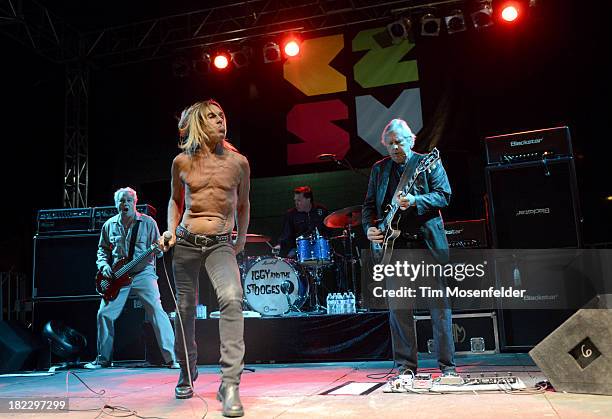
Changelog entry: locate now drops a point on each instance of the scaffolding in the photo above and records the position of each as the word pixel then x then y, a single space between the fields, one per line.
pixel 34 26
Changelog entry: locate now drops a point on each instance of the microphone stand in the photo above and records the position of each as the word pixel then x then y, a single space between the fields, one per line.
pixel 345 163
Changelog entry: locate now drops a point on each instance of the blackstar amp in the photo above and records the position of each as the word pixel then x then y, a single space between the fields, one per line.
pixel 65 220
pixel 542 144
pixel 469 234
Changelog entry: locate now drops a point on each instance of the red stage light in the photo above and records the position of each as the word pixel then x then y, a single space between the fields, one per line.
pixel 509 13
pixel 221 61
pixel 292 48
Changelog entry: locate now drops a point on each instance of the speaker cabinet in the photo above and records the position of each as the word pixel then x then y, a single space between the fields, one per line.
pixel 65 265
pixel 534 205
pixel 80 314
pixel 577 356
pixel 19 348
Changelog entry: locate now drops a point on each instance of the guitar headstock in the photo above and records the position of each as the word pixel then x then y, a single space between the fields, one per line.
pixel 428 162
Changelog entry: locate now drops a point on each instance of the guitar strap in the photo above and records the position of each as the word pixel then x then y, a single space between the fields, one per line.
pixel 133 240
pixel 408 172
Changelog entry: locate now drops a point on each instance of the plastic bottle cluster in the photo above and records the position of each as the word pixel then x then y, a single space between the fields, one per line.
pixel 341 303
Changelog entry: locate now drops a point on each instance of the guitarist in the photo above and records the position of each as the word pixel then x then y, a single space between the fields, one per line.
pixel 118 233
pixel 421 228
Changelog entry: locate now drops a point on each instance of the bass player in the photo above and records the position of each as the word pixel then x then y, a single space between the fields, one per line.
pixel 127 235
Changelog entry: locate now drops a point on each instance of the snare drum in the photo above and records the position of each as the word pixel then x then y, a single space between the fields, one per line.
pixel 263 285
pixel 313 251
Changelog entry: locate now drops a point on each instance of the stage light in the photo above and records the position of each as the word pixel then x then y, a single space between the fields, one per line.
pixel 483 16
pixel 202 66
pixel 292 48
pixel 221 60
pixel 181 67
pixel 510 11
pixel 399 30
pixel 271 52
pixel 430 25
pixel 242 57
pixel 455 22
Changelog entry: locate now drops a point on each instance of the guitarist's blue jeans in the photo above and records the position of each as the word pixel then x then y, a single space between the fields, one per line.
pixel 403 334
pixel 144 285
pixel 219 260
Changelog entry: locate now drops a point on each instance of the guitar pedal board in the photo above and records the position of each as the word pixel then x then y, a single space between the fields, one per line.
pixel 423 383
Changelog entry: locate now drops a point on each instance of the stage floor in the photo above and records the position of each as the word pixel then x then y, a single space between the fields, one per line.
pixel 295 391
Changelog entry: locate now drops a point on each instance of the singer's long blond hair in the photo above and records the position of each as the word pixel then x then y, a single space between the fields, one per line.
pixel 191 127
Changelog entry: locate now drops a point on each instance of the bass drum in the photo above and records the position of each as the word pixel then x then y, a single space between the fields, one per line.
pixel 268 281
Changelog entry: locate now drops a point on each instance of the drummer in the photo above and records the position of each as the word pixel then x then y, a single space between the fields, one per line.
pixel 304 219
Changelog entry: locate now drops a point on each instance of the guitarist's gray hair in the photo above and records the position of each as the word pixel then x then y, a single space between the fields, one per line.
pixel 400 128
pixel 127 189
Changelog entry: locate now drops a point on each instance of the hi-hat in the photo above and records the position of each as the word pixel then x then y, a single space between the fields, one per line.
pixel 253 238
pixel 344 217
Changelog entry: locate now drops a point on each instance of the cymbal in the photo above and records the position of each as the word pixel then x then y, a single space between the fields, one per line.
pixel 344 217
pixel 253 238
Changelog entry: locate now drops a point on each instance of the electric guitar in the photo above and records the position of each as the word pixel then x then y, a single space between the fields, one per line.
pixel 389 223
pixel 109 288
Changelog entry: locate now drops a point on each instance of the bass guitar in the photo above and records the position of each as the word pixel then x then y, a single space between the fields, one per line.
pixel 389 223
pixel 109 288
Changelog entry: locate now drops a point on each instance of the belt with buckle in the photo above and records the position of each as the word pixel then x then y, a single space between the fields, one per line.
pixel 201 239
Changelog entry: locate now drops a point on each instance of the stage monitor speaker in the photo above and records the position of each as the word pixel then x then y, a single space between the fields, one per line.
pixel 65 265
pixel 534 205
pixel 577 356
pixel 18 347
pixel 81 314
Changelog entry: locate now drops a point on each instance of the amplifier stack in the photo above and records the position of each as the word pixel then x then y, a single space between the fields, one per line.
pixel 533 197
pixel 63 280
pixel 532 188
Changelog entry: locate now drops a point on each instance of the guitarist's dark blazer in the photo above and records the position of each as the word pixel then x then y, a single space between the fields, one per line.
pixel 432 192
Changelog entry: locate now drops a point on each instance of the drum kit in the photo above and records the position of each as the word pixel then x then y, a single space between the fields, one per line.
pixel 275 286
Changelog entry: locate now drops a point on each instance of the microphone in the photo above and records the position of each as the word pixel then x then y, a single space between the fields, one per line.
pixel 326 156
pixel 167 237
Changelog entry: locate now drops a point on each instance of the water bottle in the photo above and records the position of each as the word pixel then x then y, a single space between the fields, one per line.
pixel 345 303
pixel 334 302
pixel 328 303
pixel 353 308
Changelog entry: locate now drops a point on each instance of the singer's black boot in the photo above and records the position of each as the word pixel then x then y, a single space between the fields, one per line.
pixel 183 390
pixel 230 399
